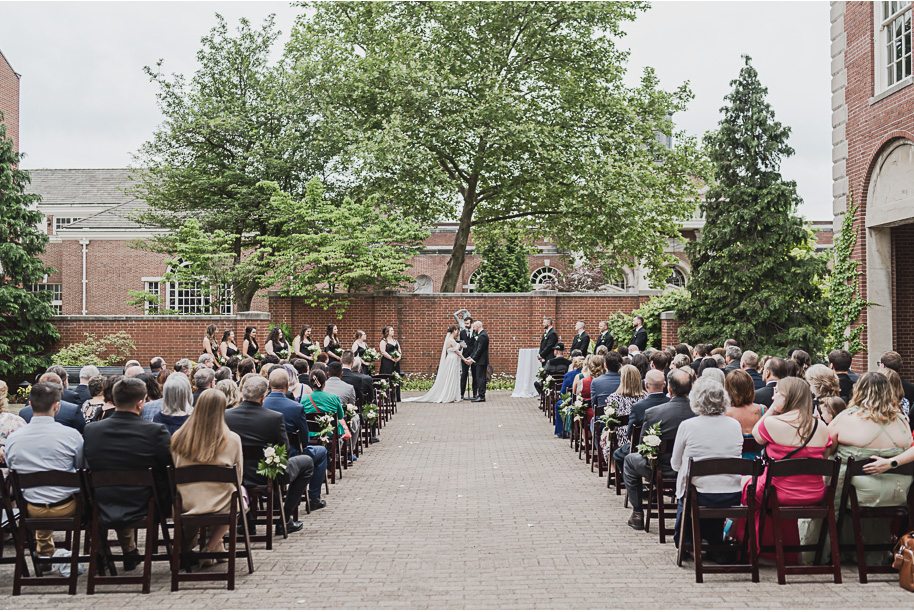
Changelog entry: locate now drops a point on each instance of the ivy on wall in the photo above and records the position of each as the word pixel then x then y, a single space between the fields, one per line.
pixel 845 304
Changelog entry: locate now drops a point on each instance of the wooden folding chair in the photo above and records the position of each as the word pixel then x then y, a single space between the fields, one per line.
pixel 25 543
pixel 9 523
pixel 633 446
pixel 772 508
pixel 586 438
pixel 697 512
pixel 613 479
pixel 217 474
pixel 332 445
pixel 901 517
pixel 100 550
pixel 750 445
pixel 596 455
pixel 658 489
pixel 264 506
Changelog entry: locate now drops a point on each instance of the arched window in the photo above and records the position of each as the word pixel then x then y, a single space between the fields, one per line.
pixel 424 284
pixel 543 277
pixel 194 298
pixel 472 281
pixel 619 281
pixel 676 278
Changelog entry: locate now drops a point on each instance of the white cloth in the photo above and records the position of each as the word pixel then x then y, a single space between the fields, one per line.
pixel 527 367
pixel 447 381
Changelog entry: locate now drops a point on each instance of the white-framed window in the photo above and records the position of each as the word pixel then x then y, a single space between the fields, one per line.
pixel 544 276
pixel 195 298
pixel 676 278
pixel 226 299
pixel 60 222
pixel 893 43
pixel 472 281
pixel 152 286
pixel 56 290
pixel 619 281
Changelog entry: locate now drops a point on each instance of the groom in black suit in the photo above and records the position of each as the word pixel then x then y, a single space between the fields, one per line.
pixel 549 340
pixel 480 361
pixel 468 337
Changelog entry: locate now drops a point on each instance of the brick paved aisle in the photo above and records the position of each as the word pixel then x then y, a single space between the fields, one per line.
pixel 476 506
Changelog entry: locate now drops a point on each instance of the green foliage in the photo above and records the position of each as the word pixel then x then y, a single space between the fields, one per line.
pixel 238 121
pixel 26 332
pixel 327 249
pixel 844 302
pixel 117 348
pixel 754 276
pixel 620 326
pixel 504 267
pixel 487 112
pixel 501 381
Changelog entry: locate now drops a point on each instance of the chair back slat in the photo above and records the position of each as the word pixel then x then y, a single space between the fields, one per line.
pixel 751 445
pixel 295 441
pixel 48 479
pixel 723 466
pixel 807 466
pixel 855 468
pixel 204 473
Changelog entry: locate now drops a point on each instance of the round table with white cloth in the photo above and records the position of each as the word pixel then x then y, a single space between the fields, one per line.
pixel 527 367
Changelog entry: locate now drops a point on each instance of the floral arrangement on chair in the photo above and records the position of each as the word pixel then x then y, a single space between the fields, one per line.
pixel 327 429
pixel 370 413
pixel 609 419
pixel 351 410
pixel 541 374
pixel 383 385
pixel 395 378
pixel 650 442
pixel 274 461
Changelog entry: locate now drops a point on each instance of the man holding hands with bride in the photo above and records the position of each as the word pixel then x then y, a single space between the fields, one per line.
pixel 479 361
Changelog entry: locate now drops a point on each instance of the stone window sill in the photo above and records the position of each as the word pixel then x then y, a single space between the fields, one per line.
pixel 893 89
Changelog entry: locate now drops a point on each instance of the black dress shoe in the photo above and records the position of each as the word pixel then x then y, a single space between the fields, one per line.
pixel 374 439
pixel 291 527
pixel 131 560
pixel 474 398
pixel 636 521
pixel 317 505
pixel 478 399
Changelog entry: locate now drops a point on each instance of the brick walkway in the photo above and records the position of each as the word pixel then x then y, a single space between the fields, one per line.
pixel 476 506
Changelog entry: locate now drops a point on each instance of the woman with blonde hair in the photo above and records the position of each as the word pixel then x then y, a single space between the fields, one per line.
pixel 205 439
pixel 895 382
pixel 210 346
pixel 629 392
pixel 230 390
pixel 9 422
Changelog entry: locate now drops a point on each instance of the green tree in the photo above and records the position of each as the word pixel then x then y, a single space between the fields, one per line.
pixel 239 120
pixel 26 332
pixel 486 112
pixel 845 305
pixel 504 267
pixel 754 275
pixel 329 249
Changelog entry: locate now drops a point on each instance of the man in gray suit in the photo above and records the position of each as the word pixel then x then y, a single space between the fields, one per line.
pixel 669 415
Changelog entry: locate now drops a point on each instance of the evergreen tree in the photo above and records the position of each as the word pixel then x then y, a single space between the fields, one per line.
pixel 26 332
pixel 753 271
pixel 504 266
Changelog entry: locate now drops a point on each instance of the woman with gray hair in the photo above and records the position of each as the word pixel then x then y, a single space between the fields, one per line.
pixel 177 403
pixel 710 435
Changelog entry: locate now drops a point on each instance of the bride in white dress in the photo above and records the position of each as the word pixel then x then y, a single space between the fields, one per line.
pixel 447 381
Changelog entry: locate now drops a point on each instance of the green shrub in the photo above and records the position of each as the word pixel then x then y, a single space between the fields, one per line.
pixel 116 349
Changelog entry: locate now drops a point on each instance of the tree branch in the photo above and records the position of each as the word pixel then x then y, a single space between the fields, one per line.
pixel 532 213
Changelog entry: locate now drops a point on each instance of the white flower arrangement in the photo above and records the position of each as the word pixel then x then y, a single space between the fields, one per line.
pixel 274 462
pixel 370 355
pixel 650 442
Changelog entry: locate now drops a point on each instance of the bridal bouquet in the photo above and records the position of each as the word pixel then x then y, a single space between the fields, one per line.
pixel 314 349
pixel 650 442
pixel 394 354
pixel 274 461
pixel 370 355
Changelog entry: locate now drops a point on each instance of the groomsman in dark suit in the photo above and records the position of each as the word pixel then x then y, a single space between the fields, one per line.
pixel 549 340
pixel 468 337
pixel 581 340
pixel 480 361
pixel 605 338
pixel 639 338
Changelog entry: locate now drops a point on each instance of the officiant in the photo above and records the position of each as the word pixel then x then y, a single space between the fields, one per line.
pixel 467 338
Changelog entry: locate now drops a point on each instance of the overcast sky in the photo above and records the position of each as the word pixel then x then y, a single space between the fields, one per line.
pixel 85 102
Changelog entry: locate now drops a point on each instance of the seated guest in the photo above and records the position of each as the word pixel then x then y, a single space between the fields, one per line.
pixel 873 426
pixel 742 406
pixel 230 390
pixel 775 369
pixel 621 401
pixel 67 414
pixel 558 365
pixel 710 435
pixel 245 366
pixel 789 429
pixel 594 367
pixel 643 364
pixel 93 406
pixel 708 363
pixel 679 361
pixel 177 404
pixel 183 366
pixel 108 395
pixel 125 441
pixel 153 403
pixel 801 361
pixel 897 390
pixel 301 366
pixel 701 351
pixel 223 373
pixel 207 440
pixel 9 422
pixel 206 360
pixel 293 415
pixel 41 446
pixel 749 363
pixel 345 392
pixel 156 365
pixel 823 382
pixel 604 386
pixel 69 395
pixel 81 392
pixel 654 385
pixel 204 379
pixel 891 360
pixel 363 385
pixel 259 426
pixel 669 415
pixel 327 403
pixel 567 383
pixel 133 371
pixel 840 361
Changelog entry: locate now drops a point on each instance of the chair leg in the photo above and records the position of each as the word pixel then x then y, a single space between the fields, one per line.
pixel 778 543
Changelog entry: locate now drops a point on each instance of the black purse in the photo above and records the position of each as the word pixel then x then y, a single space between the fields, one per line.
pixel 766 459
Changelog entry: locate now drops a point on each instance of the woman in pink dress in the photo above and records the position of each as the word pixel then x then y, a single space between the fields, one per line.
pixel 789 430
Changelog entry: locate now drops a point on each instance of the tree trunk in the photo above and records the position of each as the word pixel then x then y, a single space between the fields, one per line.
pixel 244 298
pixel 458 255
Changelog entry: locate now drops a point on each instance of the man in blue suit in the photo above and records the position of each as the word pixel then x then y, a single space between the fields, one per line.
pixel 69 414
pixel 604 386
pixel 293 414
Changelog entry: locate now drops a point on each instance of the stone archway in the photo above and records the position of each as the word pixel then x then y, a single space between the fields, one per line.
pixel 889 212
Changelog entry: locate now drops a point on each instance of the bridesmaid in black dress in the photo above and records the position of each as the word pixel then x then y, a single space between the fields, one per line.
pixel 331 343
pixel 249 347
pixel 302 344
pixel 358 349
pixel 390 363
pixel 276 344
pixel 227 347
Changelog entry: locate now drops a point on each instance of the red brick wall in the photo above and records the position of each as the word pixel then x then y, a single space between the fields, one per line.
pixel 512 321
pixel 903 296
pixel 9 100
pixel 170 337
pixel 669 332
pixel 869 127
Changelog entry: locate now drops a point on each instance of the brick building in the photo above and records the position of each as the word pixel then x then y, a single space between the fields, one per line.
pixel 9 99
pixel 873 162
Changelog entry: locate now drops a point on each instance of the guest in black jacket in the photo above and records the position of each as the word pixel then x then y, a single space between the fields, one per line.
pixel 654 384
pixel 775 369
pixel 581 340
pixel 363 384
pixel 124 441
pixel 548 341
pixel 840 361
pixel 259 426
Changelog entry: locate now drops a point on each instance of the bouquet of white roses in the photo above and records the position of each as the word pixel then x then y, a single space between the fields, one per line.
pixel 338 351
pixel 284 353
pixel 549 379
pixel 275 459
pixel 326 423
pixel 609 418
pixel 314 349
pixel 383 385
pixel 351 410
pixel 370 414
pixel 394 354
pixel 370 355
pixel 650 442
pixel 541 373
pixel 220 360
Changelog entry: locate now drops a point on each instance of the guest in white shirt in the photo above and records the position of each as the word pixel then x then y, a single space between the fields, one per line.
pixel 45 445
pixel 710 435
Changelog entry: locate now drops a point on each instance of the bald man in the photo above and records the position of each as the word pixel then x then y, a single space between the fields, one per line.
pixel 653 383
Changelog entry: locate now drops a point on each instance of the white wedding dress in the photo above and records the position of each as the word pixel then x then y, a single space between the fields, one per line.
pixel 447 381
